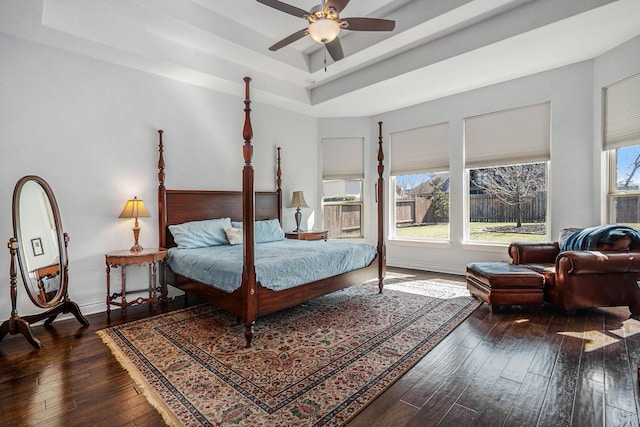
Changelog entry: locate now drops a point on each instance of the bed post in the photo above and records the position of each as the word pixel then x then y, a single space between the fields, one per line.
pixel 382 251
pixel 248 286
pixel 162 196
pixel 279 186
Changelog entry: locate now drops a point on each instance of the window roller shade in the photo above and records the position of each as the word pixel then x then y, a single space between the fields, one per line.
pixel 420 150
pixel 622 113
pixel 342 158
pixel 518 135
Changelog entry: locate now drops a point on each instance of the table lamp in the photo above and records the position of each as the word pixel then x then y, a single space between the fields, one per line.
pixel 297 201
pixel 134 208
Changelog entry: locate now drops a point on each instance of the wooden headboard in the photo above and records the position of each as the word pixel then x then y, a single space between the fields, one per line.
pixel 178 206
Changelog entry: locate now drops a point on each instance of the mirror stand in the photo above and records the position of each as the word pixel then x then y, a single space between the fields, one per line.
pixel 16 324
pixel 44 269
pixel 22 325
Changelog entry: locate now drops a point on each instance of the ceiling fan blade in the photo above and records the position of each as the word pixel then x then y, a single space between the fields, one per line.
pixel 289 39
pixel 284 7
pixel 335 49
pixel 338 5
pixel 368 24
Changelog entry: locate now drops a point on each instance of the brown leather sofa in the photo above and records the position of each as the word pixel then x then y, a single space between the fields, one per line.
pixel 605 277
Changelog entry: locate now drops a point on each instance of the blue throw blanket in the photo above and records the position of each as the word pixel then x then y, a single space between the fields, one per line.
pixel 588 238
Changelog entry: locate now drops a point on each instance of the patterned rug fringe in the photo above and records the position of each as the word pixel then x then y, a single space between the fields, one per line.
pixel 140 382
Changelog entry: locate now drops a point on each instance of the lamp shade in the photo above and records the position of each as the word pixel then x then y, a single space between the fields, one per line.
pixel 134 208
pixel 324 30
pixel 297 200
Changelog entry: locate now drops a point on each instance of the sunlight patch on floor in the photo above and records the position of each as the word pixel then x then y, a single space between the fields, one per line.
pixel 629 328
pixel 592 340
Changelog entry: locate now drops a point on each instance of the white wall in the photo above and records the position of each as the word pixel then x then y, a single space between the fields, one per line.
pixel 89 129
pixel 576 166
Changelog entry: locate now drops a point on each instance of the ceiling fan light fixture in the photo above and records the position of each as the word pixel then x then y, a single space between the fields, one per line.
pixel 324 30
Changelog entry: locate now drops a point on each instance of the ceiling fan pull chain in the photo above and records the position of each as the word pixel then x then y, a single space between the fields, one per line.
pixel 325 60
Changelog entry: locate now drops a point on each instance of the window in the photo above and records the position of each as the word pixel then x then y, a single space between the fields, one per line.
pixel 342 182
pixel 506 158
pixel 622 141
pixel 419 169
pixel 624 194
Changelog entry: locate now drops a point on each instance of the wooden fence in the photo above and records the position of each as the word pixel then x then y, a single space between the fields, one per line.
pixel 482 208
pixel 627 208
pixel 487 208
pixel 345 220
pixel 414 211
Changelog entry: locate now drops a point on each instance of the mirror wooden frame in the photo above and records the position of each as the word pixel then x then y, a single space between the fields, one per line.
pixel 60 302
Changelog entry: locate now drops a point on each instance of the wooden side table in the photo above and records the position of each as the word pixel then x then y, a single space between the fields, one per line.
pixel 152 257
pixel 307 235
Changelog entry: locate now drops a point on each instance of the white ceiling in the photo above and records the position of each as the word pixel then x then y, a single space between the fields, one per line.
pixel 439 47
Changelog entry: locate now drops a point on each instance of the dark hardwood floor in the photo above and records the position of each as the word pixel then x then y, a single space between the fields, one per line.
pixel 513 368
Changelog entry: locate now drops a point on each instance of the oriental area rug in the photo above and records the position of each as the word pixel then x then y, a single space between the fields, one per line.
pixel 316 364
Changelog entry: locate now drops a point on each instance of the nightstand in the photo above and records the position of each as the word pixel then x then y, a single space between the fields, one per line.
pixel 121 259
pixel 307 235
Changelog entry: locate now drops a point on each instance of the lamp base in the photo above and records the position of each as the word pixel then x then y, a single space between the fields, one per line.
pixel 298 216
pixel 136 234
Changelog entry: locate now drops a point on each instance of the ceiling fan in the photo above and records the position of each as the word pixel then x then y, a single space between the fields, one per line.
pixel 325 24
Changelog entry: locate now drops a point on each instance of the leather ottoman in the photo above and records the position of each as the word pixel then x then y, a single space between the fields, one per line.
pixel 501 283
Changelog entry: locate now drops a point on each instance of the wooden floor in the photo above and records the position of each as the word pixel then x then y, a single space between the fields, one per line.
pixel 513 368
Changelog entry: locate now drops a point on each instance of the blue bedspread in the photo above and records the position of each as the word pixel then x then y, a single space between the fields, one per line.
pixel 279 265
pixel 588 238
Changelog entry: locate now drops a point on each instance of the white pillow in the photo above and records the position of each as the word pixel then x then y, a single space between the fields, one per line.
pixel 234 235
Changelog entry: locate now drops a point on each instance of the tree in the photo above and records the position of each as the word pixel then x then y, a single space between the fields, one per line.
pixel 439 200
pixel 513 185
pixel 409 185
pixel 634 169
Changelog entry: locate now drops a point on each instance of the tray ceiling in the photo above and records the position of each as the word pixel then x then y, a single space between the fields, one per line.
pixel 439 47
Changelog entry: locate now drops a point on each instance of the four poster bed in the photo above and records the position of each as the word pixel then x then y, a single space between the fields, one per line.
pixel 249 293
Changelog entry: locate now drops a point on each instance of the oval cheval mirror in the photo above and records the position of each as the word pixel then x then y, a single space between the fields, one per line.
pixel 40 246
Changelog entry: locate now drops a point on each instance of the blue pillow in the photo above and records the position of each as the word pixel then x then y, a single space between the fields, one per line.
pixel 200 234
pixel 268 230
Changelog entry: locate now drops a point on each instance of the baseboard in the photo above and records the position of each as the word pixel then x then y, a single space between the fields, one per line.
pixel 85 309
pixel 93 308
pixel 438 268
pixel 101 307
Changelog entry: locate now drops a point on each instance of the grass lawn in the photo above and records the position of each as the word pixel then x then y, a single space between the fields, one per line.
pixel 477 233
pixel 439 231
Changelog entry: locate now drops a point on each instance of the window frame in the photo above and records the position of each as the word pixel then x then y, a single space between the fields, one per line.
pixel 620 130
pixel 414 151
pixel 612 185
pixel 518 135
